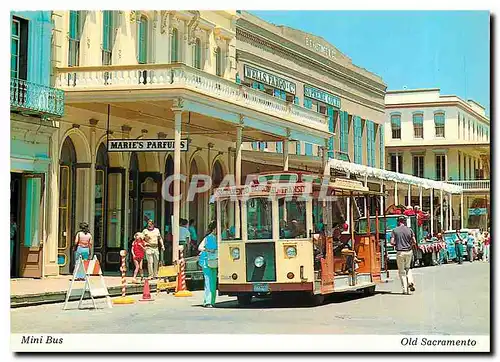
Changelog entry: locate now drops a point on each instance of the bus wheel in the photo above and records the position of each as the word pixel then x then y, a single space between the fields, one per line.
pixel 369 291
pixel 244 299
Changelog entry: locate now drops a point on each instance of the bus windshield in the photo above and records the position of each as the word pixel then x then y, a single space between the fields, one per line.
pixel 259 218
pixel 292 215
pixel 228 231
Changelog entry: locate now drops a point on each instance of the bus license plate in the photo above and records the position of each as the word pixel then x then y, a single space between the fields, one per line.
pixel 261 287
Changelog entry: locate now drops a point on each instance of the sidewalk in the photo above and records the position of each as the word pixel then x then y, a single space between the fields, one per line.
pixel 26 292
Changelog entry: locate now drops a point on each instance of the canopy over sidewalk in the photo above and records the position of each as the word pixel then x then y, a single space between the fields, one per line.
pixel 361 170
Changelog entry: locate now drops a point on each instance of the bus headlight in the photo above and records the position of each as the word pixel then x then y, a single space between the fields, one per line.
pixel 235 253
pixel 259 261
pixel 291 252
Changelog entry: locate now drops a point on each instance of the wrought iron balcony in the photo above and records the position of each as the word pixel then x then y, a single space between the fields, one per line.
pixel 472 185
pixel 172 76
pixel 36 98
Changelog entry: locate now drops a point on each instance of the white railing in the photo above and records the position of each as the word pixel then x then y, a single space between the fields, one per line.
pixel 472 184
pixel 165 76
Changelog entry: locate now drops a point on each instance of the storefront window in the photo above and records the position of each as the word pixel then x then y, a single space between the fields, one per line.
pixel 114 210
pixel 259 219
pixel 63 205
pixel 292 214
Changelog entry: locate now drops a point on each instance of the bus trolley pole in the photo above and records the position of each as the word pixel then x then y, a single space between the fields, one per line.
pixel 353 262
pixel 368 229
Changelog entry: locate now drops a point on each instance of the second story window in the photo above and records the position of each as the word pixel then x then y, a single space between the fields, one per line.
pixel 418 166
pixel 219 69
pixel 396 126
pixel 440 167
pixel 75 33
pixel 197 54
pixel 107 36
pixel 358 132
pixel 19 49
pixel 396 163
pixel 439 124
pixel 142 40
pixel 174 46
pixel 418 125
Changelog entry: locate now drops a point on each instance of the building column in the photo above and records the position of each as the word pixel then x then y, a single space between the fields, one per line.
pixel 432 210
pixel 461 210
pixel 382 211
pixel 237 219
pixel 286 144
pixel 441 209
pixel 93 123
pixel 364 198
pixel 348 205
pixel 396 201
pixel 177 109
pixel 450 221
pixel 446 167
pixel 50 266
pixel 126 134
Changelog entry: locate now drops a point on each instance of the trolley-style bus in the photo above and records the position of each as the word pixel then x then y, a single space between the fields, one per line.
pixel 292 237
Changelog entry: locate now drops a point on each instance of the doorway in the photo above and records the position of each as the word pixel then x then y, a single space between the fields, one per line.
pixel 26 228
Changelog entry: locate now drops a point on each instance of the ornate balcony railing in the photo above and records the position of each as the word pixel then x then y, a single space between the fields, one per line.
pixel 165 76
pixel 37 98
pixel 472 185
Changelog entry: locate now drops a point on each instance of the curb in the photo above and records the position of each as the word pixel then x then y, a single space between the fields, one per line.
pixel 28 300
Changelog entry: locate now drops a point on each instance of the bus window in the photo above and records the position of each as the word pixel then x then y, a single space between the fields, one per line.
pixel 318 224
pixel 228 231
pixel 259 218
pixel 292 215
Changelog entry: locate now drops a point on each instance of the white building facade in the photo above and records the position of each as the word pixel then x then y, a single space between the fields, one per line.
pixel 442 138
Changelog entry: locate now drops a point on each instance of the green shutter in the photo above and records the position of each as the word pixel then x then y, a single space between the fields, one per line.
pixel 358 158
pixel 32 211
pixel 381 146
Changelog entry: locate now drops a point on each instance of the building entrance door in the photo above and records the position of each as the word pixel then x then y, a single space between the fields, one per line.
pixel 32 232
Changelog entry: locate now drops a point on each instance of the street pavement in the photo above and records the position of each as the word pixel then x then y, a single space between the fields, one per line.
pixel 449 300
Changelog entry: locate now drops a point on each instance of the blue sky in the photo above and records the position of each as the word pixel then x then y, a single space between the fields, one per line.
pixel 417 49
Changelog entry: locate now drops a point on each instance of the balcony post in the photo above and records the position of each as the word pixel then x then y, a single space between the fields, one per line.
pixel 420 197
pixel 432 210
pixel 409 194
pixel 364 198
pixel 177 109
pixel 239 137
pixel 348 206
pixel 450 221
pixel 286 144
pixel 461 210
pixel 396 201
pixel 441 209
pixel 382 211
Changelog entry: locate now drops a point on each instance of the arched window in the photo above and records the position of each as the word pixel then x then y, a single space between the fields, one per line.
pixel 197 54
pixel 218 62
pixel 396 126
pixel 101 164
pixel 217 174
pixel 107 36
pixel 142 40
pixel 418 125
pixel 174 46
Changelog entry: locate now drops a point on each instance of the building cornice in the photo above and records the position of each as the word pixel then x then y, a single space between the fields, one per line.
pixel 449 103
pixel 292 73
pixel 289 48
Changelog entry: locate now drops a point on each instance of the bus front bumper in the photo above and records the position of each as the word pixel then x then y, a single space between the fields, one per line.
pixel 256 288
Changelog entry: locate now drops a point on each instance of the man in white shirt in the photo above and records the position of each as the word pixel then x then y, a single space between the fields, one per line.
pixel 152 237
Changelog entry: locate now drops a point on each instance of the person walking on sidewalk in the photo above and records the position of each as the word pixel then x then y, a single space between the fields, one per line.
pixel 470 247
pixel 403 240
pixel 83 244
pixel 458 247
pixel 486 252
pixel 138 249
pixel 152 237
pixel 208 262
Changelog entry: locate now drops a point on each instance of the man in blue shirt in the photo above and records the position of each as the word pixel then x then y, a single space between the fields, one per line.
pixel 470 246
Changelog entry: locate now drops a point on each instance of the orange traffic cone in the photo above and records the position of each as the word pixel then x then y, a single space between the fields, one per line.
pixel 146 293
pixel 182 290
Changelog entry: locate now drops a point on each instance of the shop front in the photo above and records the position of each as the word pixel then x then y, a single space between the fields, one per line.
pixel 29 170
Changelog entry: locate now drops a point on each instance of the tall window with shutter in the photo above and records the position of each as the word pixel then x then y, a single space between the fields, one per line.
pixel 418 125
pixel 75 33
pixel 107 36
pixel 358 156
pixel 396 126
pixel 142 40
pixel 370 142
pixel 439 122
pixel 197 54
pixel 344 135
pixel 174 46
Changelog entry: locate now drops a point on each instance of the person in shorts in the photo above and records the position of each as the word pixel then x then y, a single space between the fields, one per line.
pixel 138 250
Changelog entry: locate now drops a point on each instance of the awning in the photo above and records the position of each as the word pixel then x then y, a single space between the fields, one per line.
pixel 357 169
